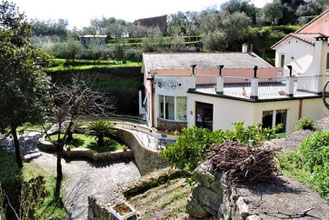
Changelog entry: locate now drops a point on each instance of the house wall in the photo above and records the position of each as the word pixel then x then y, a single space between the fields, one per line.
pixel 297 53
pixel 225 111
pixel 314 108
pixel 325 51
pixel 171 86
pixel 228 111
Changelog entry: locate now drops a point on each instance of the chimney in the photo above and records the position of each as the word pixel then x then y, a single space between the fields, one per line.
pixel 244 48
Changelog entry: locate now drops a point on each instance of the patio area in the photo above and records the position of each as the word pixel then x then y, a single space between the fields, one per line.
pixel 262 88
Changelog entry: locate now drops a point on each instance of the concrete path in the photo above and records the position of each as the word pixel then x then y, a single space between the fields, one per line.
pixel 82 178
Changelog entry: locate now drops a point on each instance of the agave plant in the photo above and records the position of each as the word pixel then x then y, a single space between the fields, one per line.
pixel 101 129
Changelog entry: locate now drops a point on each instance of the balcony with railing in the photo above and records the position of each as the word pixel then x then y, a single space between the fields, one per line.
pixel 260 88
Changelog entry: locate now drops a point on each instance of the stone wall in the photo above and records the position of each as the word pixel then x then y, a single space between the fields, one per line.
pixel 91 155
pixel 147 160
pixel 216 198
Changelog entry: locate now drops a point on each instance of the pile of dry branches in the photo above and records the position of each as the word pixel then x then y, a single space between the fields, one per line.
pixel 242 163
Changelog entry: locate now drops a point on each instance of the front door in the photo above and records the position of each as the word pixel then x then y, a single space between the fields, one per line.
pixel 204 115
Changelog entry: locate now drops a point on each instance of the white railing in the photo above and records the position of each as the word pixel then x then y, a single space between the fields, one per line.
pixel 261 88
pixel 272 87
pixel 309 84
pixel 237 86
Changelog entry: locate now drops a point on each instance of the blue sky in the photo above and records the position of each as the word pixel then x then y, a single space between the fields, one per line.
pixel 80 12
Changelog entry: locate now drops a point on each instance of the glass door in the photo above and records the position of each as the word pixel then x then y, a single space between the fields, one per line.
pixel 204 115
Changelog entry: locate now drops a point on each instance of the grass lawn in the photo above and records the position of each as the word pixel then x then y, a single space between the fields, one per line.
pixel 89 142
pixel 11 178
pixel 48 207
pixel 58 64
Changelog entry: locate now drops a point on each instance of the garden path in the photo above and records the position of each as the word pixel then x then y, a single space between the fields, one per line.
pixel 81 178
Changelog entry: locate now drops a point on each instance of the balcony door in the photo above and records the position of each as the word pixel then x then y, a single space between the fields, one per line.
pixel 204 115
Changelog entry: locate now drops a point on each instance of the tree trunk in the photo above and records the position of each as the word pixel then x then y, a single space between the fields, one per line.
pixel 59 177
pixel 17 151
pixel 100 141
pixel 69 136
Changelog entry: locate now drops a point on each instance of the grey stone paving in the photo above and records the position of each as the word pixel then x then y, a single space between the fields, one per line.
pixel 82 178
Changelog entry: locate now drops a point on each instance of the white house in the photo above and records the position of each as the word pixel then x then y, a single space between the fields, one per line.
pixel 214 90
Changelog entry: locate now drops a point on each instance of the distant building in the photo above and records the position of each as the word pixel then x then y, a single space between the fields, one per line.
pixel 160 21
pixel 87 39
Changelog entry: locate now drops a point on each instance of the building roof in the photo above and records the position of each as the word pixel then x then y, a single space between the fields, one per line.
pixel 314 20
pixel 170 61
pixel 307 38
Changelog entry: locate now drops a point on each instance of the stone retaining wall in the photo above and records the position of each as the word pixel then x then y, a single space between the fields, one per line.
pixel 147 160
pixel 216 198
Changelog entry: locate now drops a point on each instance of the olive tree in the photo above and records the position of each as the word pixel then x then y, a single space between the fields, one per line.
pixel 68 104
pixel 23 85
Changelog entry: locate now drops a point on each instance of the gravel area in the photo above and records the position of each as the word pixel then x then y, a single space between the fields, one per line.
pixel 82 178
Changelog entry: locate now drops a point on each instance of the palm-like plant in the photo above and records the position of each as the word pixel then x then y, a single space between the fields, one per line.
pixel 101 129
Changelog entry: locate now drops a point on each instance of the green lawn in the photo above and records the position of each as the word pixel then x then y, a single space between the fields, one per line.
pixel 79 64
pixel 89 142
pixel 11 179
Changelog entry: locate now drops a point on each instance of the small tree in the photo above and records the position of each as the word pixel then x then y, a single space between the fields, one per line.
pixel 69 103
pixel 101 129
pixel 23 85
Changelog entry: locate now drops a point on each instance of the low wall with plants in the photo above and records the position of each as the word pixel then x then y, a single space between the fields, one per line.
pixel 147 160
pixel 76 154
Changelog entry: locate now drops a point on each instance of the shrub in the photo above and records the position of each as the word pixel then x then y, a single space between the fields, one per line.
pixel 191 146
pixel 101 129
pixel 309 163
pixel 305 123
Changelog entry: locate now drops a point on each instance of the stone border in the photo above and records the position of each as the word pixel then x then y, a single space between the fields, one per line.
pixel 147 159
pixel 85 153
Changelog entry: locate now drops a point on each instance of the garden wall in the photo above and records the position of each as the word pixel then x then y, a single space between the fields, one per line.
pixel 77 154
pixel 147 160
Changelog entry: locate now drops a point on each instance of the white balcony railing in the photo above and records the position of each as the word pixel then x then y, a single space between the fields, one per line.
pixel 261 88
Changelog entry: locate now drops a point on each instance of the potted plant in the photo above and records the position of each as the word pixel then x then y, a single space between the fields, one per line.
pixel 123 211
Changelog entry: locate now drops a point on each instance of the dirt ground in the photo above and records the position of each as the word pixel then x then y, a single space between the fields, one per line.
pixel 166 201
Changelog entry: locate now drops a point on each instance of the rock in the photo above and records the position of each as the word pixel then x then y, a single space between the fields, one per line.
pixel 32 156
pixel 203 176
pixel 242 207
pixel 292 141
pixel 207 197
pixel 194 209
pixel 323 124
pixel 216 186
pixel 254 217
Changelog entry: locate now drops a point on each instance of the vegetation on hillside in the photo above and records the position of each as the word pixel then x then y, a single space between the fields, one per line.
pixel 222 28
pixel 29 190
pixel 310 162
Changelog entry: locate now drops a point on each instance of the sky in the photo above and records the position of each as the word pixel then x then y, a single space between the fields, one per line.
pixel 80 12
